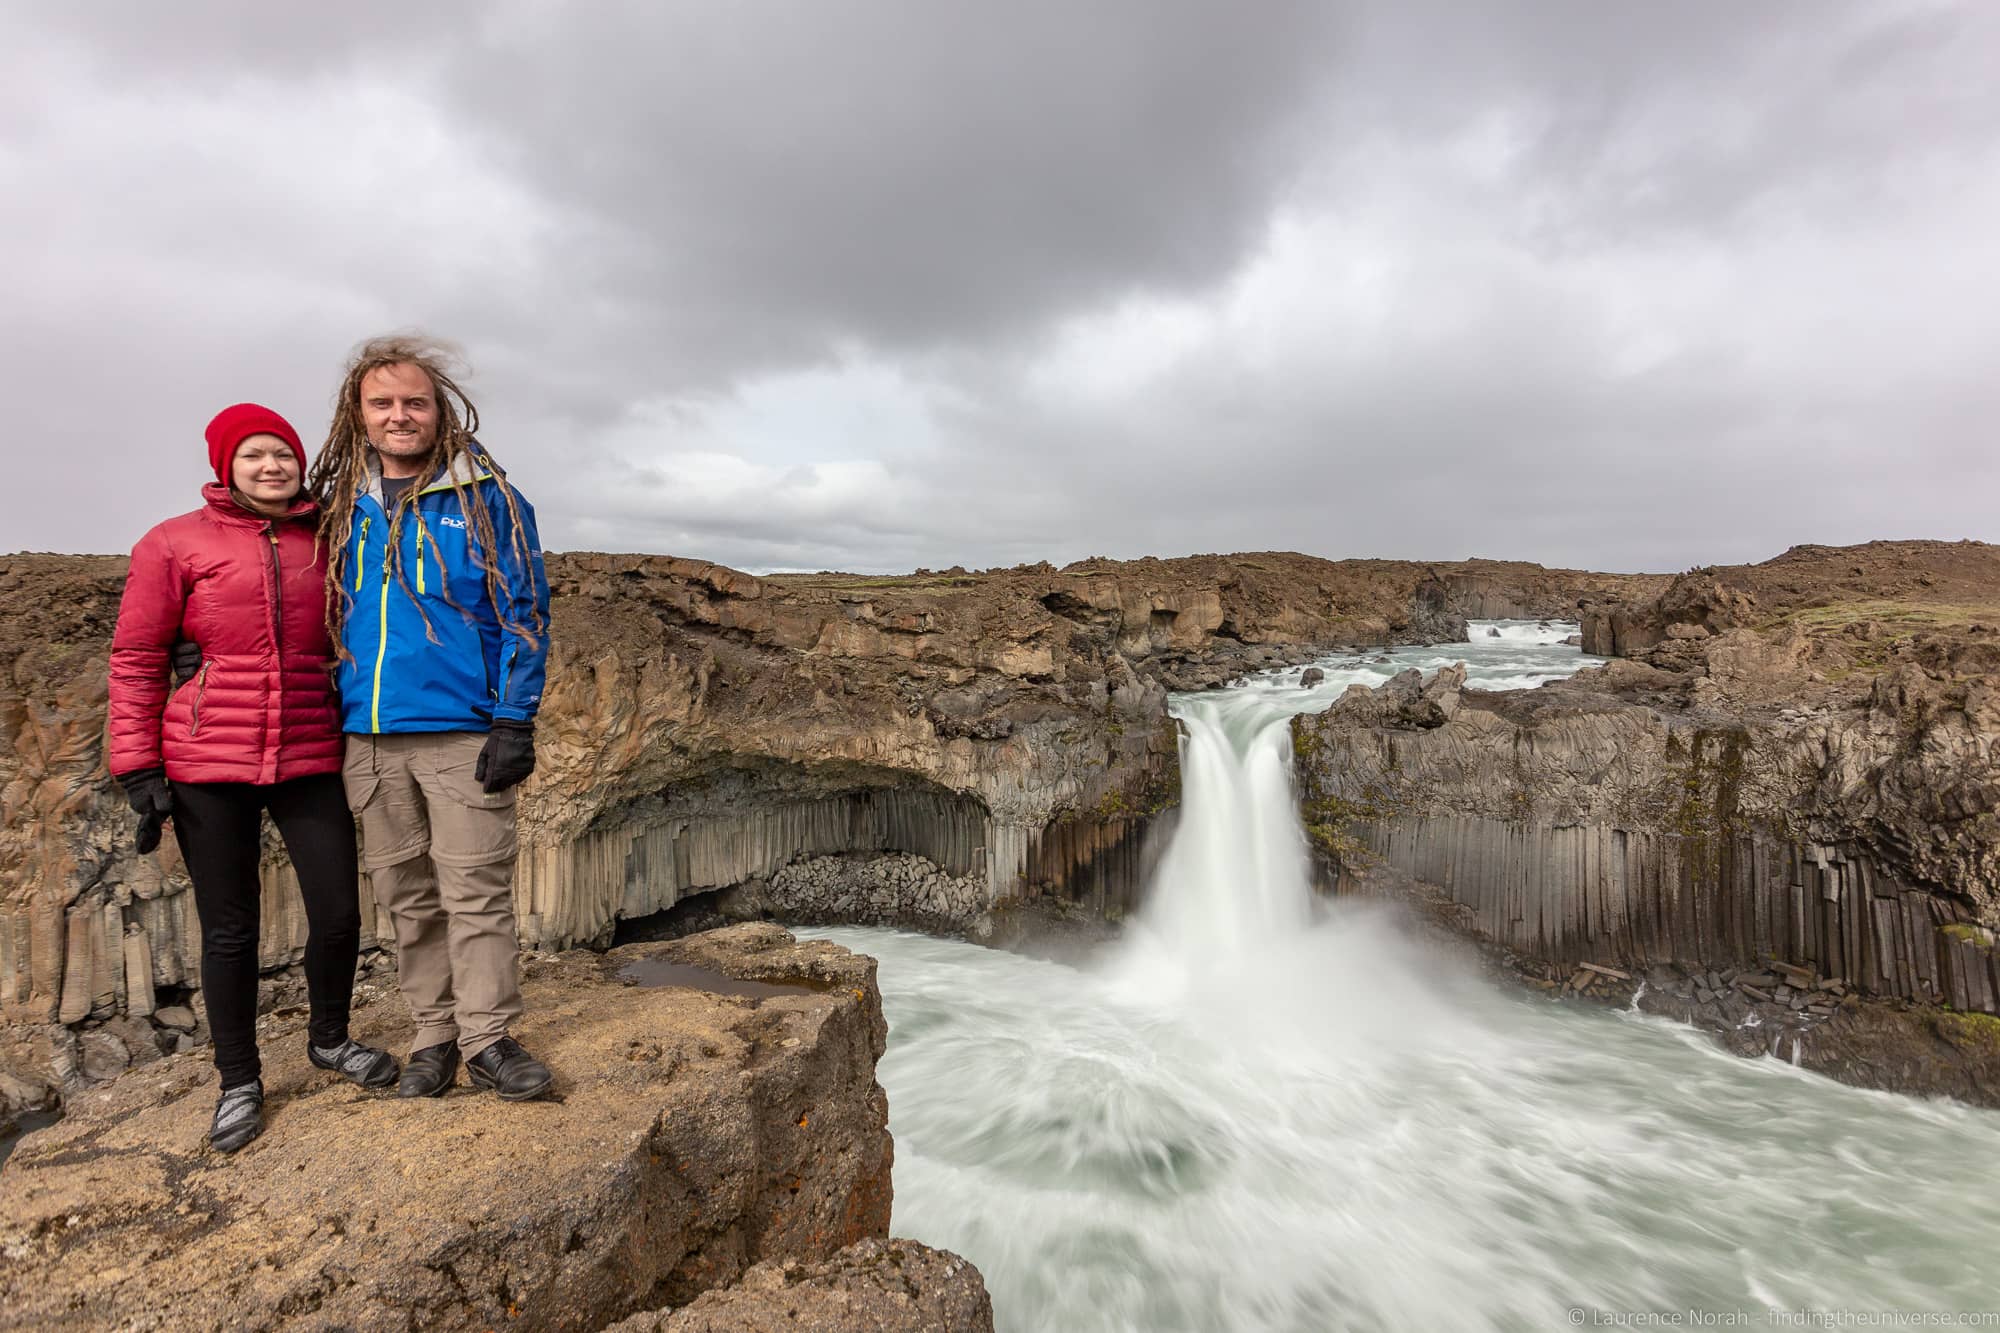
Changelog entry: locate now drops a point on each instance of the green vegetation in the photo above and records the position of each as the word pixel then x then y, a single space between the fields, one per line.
pixel 1160 793
pixel 1708 813
pixel 1913 615
pixel 1887 625
pixel 1967 1029
pixel 1330 820
pixel 1113 806
pixel 1163 792
pixel 1967 933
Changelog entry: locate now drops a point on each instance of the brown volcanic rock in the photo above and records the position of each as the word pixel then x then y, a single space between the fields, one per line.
pixel 1856 606
pixel 697 1134
pixel 1009 726
pixel 875 1286
pixel 1514 590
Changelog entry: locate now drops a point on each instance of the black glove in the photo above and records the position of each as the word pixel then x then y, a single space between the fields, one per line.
pixel 147 792
pixel 509 755
pixel 186 660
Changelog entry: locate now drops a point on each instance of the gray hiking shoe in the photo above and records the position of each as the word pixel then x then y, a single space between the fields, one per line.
pixel 239 1116
pixel 366 1065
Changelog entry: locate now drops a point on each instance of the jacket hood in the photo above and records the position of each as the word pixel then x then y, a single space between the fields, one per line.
pixel 473 466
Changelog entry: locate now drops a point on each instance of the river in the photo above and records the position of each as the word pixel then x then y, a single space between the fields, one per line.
pixel 1259 1110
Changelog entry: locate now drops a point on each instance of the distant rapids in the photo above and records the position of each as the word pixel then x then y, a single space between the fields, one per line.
pixel 1263 1111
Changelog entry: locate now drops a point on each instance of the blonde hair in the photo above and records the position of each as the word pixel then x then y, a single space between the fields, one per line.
pixel 341 472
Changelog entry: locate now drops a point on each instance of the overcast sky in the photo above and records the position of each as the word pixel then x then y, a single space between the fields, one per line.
pixel 872 285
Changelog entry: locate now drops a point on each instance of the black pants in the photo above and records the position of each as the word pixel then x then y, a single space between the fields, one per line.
pixel 218 826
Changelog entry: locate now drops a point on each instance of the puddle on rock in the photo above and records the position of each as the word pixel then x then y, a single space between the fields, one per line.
pixel 27 1123
pixel 660 972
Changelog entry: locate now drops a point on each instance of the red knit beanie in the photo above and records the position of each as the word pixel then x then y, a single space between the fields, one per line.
pixel 233 425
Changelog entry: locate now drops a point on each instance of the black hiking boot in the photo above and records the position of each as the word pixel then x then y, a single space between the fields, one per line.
pixel 430 1072
pixel 510 1071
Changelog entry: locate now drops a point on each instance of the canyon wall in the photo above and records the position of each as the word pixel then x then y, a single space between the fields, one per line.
pixel 704 729
pixel 1797 765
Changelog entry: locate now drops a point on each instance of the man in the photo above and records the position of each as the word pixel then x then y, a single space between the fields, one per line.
pixel 441 611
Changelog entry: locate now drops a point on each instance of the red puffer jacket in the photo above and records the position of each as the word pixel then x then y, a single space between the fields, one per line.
pixel 252 592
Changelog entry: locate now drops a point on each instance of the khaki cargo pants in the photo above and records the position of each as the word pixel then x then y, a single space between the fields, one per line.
pixel 440 853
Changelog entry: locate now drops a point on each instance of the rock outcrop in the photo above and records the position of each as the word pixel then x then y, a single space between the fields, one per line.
pixel 1860 604
pixel 1514 590
pixel 1770 784
pixel 699 1131
pixel 895 1286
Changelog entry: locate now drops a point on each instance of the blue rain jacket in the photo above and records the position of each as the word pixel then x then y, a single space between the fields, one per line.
pixel 395 678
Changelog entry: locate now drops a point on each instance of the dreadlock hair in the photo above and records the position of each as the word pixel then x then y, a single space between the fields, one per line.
pixel 341 473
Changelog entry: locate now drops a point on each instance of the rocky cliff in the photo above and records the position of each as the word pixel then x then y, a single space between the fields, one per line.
pixel 1785 795
pixel 717 1109
pixel 935 744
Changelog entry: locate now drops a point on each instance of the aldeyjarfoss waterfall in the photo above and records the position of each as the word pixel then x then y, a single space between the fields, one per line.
pixel 1259 1111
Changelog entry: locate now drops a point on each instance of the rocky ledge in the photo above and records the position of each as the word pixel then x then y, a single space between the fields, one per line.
pixel 874 1286
pixel 717 1109
pixel 1779 813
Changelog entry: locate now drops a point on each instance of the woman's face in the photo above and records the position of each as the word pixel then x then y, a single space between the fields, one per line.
pixel 265 472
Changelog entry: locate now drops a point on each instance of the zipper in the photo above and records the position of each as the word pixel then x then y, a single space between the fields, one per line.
pixel 361 555
pixel 420 554
pixel 200 691
pixel 381 648
pixel 277 599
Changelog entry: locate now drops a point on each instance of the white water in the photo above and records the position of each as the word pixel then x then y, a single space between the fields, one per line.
pixel 1259 1112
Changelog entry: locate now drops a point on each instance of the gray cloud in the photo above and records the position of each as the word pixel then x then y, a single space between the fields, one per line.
pixel 887 284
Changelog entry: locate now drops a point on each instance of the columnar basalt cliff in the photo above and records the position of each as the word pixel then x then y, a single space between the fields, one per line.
pixel 705 729
pixel 1799 770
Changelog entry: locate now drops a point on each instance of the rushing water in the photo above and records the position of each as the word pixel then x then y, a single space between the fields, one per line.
pixel 1259 1112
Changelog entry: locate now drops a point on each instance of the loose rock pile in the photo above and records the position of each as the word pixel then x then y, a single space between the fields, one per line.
pixel 895 889
pixel 1768 1008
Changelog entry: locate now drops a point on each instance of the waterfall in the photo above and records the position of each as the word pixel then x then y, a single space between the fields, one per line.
pixel 1235 884
pixel 1236 878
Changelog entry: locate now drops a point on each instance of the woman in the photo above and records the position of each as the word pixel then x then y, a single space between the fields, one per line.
pixel 255 728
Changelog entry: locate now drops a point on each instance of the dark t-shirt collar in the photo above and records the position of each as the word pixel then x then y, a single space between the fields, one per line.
pixel 393 488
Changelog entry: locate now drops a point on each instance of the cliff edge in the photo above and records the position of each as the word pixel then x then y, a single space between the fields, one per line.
pixel 716 1108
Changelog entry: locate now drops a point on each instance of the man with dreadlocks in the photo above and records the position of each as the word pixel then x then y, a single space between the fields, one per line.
pixel 441 610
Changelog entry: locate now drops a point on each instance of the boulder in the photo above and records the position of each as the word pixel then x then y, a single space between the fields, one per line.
pixel 105 1056
pixel 176 1016
pixel 1311 677
pixel 1405 701
pixel 697 1131
pixel 894 1286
